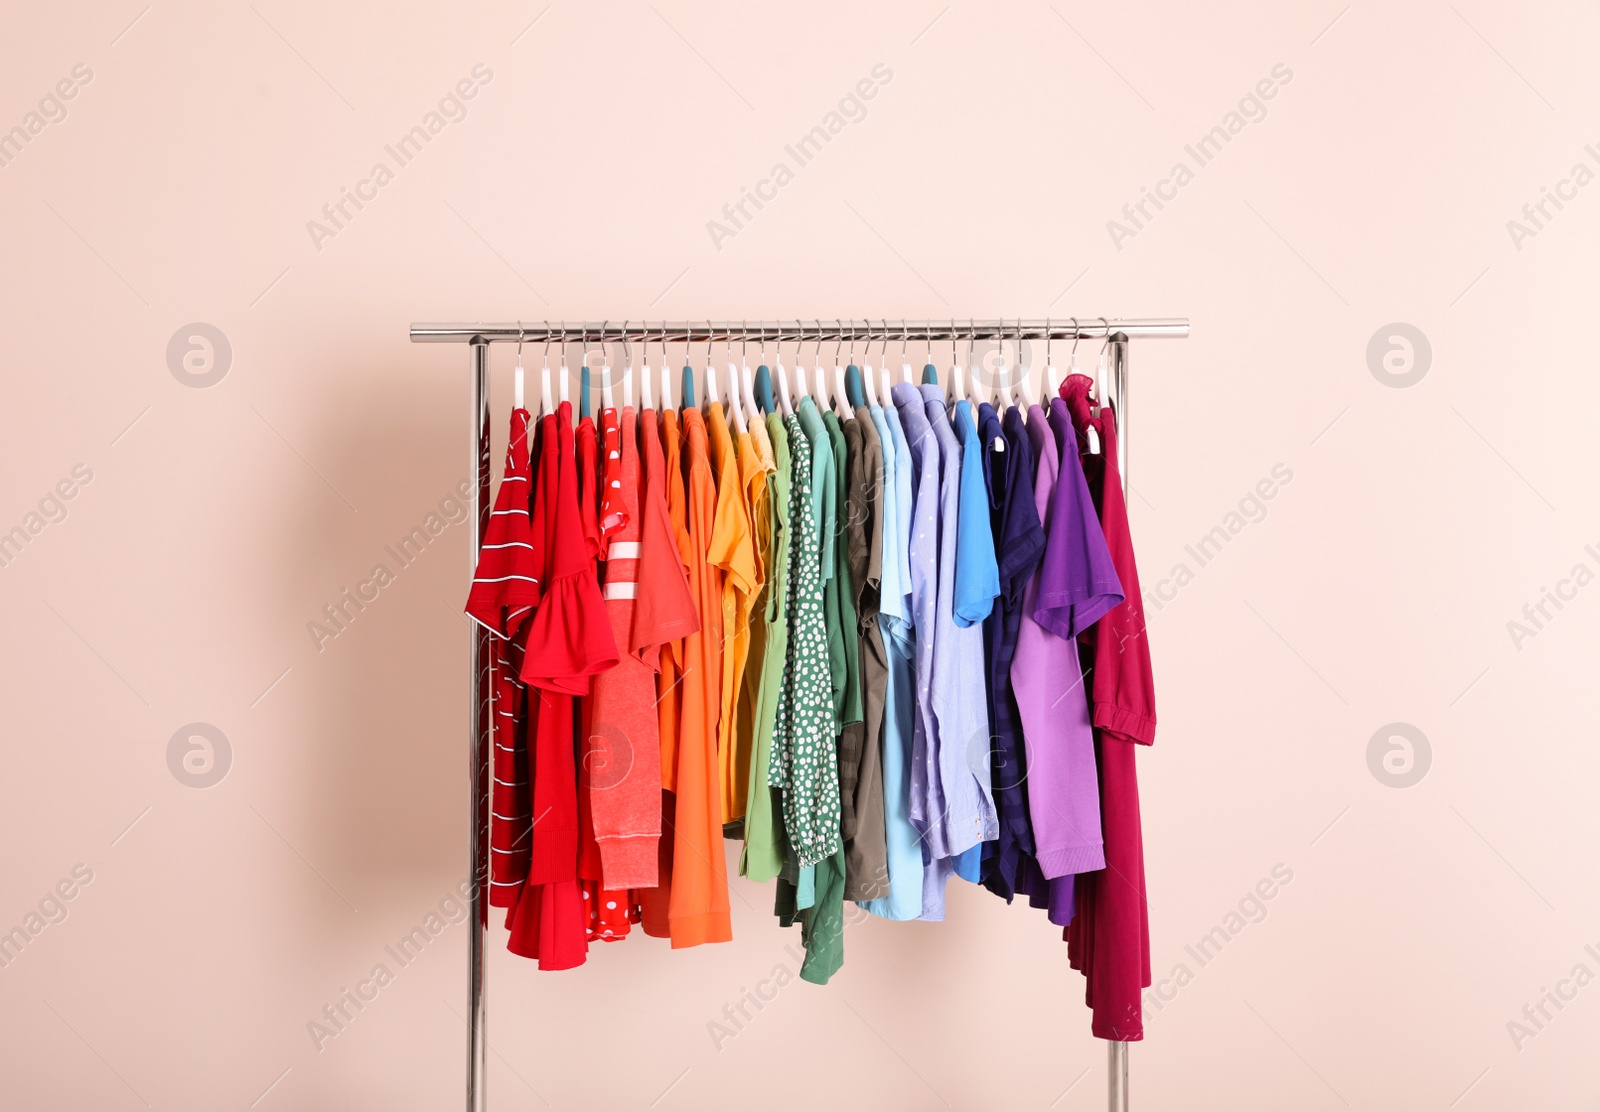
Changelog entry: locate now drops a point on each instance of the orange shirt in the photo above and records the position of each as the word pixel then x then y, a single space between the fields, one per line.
pixel 672 651
pixel 699 903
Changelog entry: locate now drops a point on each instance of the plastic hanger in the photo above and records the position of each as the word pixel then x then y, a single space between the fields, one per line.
pixel 747 396
pixel 958 378
pixel 666 372
pixel 799 362
pixel 1029 388
pixel 821 375
pixel 735 398
pixel 516 388
pixel 711 375
pixel 565 372
pixel 843 401
pixel 546 406
pixel 584 374
pixel 627 373
pixel 870 380
pixel 1092 436
pixel 763 383
pixel 783 379
pixel 606 400
pixel 644 370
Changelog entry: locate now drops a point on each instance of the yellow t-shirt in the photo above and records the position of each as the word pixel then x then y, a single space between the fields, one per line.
pixel 732 549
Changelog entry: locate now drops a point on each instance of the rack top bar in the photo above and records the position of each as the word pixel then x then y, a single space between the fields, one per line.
pixel 678 332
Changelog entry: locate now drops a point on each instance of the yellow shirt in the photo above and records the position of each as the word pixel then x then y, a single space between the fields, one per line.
pixel 732 549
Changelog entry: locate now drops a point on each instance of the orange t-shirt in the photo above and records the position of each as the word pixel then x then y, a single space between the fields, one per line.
pixel 699 903
pixel 732 552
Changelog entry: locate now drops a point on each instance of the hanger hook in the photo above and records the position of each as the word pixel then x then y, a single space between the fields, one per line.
pixel 519 343
pixel 972 336
pixel 1075 336
pixel 1107 338
pixel 708 344
pixel 744 341
pixel 905 337
pixel 627 350
pixel 1048 338
pixel 604 358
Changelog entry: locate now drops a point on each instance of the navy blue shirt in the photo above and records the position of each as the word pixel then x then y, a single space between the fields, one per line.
pixel 1019 544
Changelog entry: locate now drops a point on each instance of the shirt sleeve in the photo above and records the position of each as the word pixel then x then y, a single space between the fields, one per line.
pixel 1124 686
pixel 1079 583
pixel 664 609
pixel 505 585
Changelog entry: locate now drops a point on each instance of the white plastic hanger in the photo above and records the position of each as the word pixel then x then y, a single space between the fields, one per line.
pixel 841 399
pixel 710 376
pixel 644 371
pixel 958 375
pixel 627 369
pixel 1095 393
pixel 800 366
pixel 605 369
pixel 748 379
pixel 545 405
pixel 565 373
pixel 1029 388
pixel 516 389
pixel 869 381
pixel 666 373
pixel 783 378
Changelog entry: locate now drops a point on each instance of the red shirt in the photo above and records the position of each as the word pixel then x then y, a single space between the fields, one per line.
pixel 505 589
pixel 1109 938
pixel 569 640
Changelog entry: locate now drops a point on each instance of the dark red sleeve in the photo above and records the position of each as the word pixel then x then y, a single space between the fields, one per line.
pixel 1124 694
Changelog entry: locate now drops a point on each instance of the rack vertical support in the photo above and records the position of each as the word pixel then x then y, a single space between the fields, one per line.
pixel 479 749
pixel 1117 1052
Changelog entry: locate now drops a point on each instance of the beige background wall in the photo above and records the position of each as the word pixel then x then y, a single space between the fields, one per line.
pixel 219 521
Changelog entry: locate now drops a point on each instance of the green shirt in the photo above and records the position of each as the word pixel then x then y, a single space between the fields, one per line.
pixel 763 832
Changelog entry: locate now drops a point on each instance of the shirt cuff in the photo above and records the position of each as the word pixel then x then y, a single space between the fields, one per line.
pixel 628 861
pixel 1125 724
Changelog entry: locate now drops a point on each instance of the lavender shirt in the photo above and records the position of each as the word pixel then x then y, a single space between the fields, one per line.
pixel 1063 790
pixel 957 700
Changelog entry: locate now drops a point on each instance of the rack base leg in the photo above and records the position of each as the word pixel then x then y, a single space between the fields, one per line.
pixel 1117 1076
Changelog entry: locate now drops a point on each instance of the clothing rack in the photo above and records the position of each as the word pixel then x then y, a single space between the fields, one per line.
pixel 1115 332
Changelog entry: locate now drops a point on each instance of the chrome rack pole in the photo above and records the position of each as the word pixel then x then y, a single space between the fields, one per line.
pixel 699 332
pixel 1116 1051
pixel 479 751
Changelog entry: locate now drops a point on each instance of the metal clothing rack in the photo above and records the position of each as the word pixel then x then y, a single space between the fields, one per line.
pixel 478 337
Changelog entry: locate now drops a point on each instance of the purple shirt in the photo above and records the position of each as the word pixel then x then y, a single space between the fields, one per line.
pixel 1063 791
pixel 1079 583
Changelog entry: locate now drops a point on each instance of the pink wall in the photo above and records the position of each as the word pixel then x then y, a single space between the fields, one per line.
pixel 206 527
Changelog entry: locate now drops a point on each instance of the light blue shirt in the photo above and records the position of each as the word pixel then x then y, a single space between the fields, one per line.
pixel 903 843
pixel 977 572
